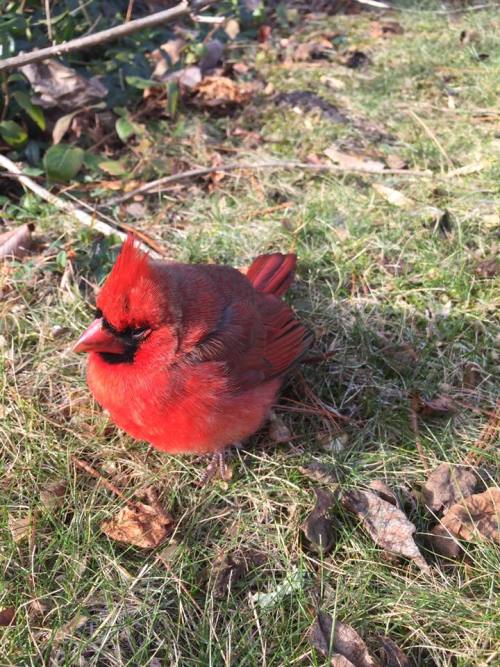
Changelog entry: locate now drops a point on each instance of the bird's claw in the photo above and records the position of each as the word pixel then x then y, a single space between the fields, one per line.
pixel 216 468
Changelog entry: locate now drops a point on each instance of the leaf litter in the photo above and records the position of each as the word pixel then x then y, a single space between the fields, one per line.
pixel 15 243
pixel 318 527
pixel 334 637
pixel 448 484
pixel 387 525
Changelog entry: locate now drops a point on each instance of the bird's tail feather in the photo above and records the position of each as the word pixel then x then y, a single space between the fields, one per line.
pixel 272 274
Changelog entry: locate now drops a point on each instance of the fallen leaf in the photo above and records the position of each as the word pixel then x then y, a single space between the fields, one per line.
pixel 447 485
pixel 475 517
pixel 340 638
pixel 443 543
pixel 52 494
pixel 467 169
pixel 392 655
pixel 318 527
pixel 143 525
pixel 7 616
pixel 136 210
pixel 68 629
pixel 16 242
pixel 440 406
pixel 385 29
pixel 321 472
pixel 387 525
pixel 356 60
pixel 167 55
pixel 219 91
pixel 352 161
pixel 278 430
pixel 396 162
pixel 338 660
pixel 212 55
pixel 264 34
pixel 62 87
pixel 384 491
pixel 20 527
pixel 232 28
pixel 332 82
pixel 227 569
pixel 469 37
pixel 394 197
pixel 291 584
pixel 488 268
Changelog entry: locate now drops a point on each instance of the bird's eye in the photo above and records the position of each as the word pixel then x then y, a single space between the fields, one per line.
pixel 139 333
pixel 98 313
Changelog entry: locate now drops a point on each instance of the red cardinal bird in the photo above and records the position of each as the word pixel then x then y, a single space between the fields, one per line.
pixel 191 357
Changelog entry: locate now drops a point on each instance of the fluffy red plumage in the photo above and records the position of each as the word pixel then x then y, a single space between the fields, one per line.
pixel 191 357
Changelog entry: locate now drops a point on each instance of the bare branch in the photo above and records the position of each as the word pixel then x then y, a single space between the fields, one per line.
pixel 109 35
pixel 270 164
pixel 83 218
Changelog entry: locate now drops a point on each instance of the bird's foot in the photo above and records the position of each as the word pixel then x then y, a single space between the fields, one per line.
pixel 216 468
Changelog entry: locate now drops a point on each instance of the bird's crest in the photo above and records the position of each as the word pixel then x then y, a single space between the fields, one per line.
pixel 129 294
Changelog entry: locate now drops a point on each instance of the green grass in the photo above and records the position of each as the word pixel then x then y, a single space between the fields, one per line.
pixel 105 604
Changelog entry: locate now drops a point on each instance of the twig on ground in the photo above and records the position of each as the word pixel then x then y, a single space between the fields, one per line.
pixel 416 432
pixel 66 207
pixel 109 35
pixel 97 475
pixel 271 164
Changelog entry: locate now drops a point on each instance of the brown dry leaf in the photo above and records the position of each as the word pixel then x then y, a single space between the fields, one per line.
pixel 475 517
pixel 339 660
pixel 341 639
pixel 396 162
pixel 318 527
pixel 384 491
pixel 230 568
pixel 440 406
pixel 68 629
pixel 20 527
pixel 7 616
pixel 352 161
pixel 217 91
pixel 141 524
pixel 392 655
pixel 172 50
pixel 394 197
pixel 386 524
pixel 488 268
pixel 320 472
pixel 447 485
pixel 16 242
pixel 52 495
pixel 232 28
pixel 278 430
pixel 385 29
pixel 443 543
pixel 62 87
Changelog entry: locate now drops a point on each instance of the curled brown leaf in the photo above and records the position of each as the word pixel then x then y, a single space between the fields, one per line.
pixel 16 242
pixel 318 527
pixel 448 484
pixel 475 517
pixel 330 638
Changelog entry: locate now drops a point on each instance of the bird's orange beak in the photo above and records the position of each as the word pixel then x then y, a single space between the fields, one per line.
pixel 98 339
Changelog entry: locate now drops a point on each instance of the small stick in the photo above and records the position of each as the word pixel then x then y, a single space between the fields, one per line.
pixel 97 475
pixel 109 35
pixel 416 431
pixel 270 164
pixel 66 207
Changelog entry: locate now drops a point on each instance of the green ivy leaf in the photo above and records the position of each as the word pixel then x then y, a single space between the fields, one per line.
pixel 13 134
pixel 63 162
pixel 113 167
pixel 34 112
pixel 124 129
